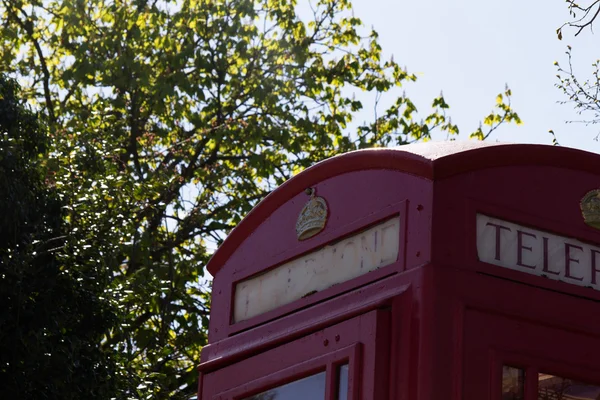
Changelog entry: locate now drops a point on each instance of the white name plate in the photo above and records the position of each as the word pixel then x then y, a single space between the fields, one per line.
pixel 339 262
pixel 537 252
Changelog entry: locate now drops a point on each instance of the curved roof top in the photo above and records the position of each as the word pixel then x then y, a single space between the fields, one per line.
pixel 431 160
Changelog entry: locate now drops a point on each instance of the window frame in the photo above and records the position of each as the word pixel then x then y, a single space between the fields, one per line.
pixel 495 340
pixel 533 365
pixel 328 363
pixel 358 341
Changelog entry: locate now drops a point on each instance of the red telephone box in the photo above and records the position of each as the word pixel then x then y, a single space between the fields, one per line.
pixel 431 271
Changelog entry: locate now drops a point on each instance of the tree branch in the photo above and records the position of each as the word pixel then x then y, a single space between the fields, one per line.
pixel 27 26
pixel 578 22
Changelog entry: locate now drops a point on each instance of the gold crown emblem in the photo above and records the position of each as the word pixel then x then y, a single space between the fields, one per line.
pixel 312 218
pixel 590 208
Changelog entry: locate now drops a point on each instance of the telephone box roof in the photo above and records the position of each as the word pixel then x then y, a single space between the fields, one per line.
pixel 432 161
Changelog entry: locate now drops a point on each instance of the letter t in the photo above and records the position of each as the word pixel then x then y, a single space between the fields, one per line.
pixel 498 227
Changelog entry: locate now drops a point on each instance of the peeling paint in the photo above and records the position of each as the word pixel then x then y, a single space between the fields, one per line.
pixel 347 259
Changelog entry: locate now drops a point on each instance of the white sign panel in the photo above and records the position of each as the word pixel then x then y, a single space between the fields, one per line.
pixel 537 252
pixel 349 258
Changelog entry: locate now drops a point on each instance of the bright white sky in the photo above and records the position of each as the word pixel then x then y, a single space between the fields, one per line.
pixel 469 49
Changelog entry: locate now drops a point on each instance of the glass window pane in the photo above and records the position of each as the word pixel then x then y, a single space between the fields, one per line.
pixel 343 382
pixel 513 383
pixel 554 387
pixel 311 387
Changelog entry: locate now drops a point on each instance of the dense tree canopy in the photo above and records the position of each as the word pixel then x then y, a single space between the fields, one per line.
pixel 169 120
pixel 52 315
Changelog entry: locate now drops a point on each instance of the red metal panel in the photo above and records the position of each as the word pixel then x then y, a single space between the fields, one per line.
pixel 332 234
pixel 370 297
pixel 481 322
pixel 494 340
pixel 328 361
pixel 431 161
pixel 454 319
pixel 307 355
pixel 356 200
pixel 516 194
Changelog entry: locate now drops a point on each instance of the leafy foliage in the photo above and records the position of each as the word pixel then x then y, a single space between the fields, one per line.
pixel 52 317
pixel 171 119
pixel 503 113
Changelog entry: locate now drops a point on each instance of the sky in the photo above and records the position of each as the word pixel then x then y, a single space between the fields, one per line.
pixel 470 49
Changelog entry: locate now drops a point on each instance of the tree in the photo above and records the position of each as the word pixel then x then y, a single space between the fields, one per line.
pixel 51 317
pixel 582 94
pixel 172 119
pixel 582 16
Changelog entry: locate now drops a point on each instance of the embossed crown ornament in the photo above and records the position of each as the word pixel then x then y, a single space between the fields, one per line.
pixel 313 217
pixel 590 208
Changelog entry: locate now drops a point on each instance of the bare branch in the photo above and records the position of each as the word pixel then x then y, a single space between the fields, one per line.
pixel 585 20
